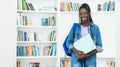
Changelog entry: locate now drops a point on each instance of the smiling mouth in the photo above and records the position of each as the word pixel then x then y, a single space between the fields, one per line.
pixel 84 18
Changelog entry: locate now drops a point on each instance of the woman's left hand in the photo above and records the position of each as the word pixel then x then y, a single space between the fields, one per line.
pixel 85 56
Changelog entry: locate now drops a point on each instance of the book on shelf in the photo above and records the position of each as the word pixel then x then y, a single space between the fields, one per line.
pixel 53 52
pixel 65 63
pixel 99 7
pixel 111 6
pixel 62 6
pixel 18 64
pixel 44 21
pixel 34 64
pixel 46 50
pixel 30 6
pixel 110 64
pixel 53 22
pixel 49 50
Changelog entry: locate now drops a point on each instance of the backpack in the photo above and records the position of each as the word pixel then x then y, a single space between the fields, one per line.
pixel 64 43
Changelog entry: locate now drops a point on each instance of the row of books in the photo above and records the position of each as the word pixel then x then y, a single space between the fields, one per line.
pixel 22 20
pixel 34 50
pixel 50 21
pixel 65 63
pixel 34 64
pixel 35 36
pixel 24 5
pixel 31 64
pixel 66 6
pixel 69 6
pixel 28 50
pixel 107 6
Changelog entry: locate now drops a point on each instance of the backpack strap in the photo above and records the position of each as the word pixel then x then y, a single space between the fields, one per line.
pixel 74 27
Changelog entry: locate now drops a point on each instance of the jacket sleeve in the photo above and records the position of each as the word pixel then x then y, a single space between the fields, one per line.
pixel 70 40
pixel 98 40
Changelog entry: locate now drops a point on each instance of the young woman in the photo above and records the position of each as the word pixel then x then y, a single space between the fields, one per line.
pixel 84 27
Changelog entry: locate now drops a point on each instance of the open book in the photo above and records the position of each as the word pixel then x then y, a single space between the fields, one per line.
pixel 85 44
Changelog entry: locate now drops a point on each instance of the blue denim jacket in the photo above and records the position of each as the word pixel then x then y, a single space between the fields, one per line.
pixel 74 36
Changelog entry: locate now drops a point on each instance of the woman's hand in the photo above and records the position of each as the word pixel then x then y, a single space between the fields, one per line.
pixel 80 54
pixel 84 55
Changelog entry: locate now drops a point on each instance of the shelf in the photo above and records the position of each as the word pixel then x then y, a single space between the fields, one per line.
pixel 105 58
pixel 38 27
pixel 38 57
pixel 29 11
pixel 68 12
pixel 104 12
pixel 35 42
pixel 97 12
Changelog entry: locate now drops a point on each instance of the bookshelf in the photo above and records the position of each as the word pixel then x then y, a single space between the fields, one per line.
pixel 33 20
pixel 104 19
pixel 37 33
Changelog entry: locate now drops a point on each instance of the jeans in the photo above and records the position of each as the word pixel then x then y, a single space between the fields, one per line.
pixel 83 63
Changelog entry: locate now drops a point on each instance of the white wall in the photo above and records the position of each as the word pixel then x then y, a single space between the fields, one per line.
pixel 7 33
pixel 118 41
pixel 118 33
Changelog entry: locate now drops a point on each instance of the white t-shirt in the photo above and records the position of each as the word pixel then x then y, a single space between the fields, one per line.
pixel 84 30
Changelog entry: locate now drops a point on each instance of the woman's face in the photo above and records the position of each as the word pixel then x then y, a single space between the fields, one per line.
pixel 84 16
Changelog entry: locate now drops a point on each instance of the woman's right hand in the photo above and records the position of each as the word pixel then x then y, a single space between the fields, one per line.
pixel 79 54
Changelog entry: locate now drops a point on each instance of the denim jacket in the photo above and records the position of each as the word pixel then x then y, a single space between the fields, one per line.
pixel 74 36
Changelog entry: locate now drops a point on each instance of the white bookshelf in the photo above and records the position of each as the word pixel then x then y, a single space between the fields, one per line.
pixel 104 19
pixel 47 35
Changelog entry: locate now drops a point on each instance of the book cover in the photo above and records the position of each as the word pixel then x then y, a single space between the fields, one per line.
pixel 65 63
pixel 99 7
pixel 111 64
pixel 44 21
pixel 85 44
pixel 53 23
pixel 31 6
